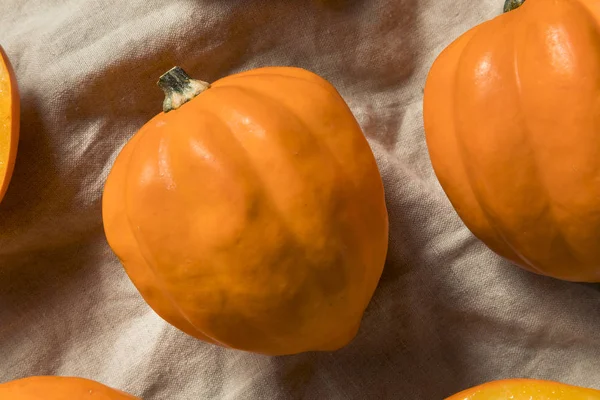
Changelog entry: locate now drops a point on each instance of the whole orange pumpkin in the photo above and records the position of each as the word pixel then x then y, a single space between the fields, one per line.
pixel 59 388
pixel 9 121
pixel 251 213
pixel 526 389
pixel 512 122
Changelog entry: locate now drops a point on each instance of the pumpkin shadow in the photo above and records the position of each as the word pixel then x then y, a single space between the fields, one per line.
pixel 34 294
pixel 35 166
pixel 31 258
pixel 338 4
pixel 592 286
pixel 538 327
pixel 35 212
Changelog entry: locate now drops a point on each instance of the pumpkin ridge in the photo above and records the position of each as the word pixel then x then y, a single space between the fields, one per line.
pixel 255 176
pixel 323 149
pixel 263 192
pixel 169 296
pixel 589 19
pixel 275 340
pixel 325 152
pixel 499 235
pixel 549 206
pixel 519 255
pixel 124 159
pixel 275 103
pixel 449 60
pixel 527 130
pixel 152 265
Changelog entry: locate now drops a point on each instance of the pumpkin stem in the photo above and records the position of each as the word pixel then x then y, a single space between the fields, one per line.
pixel 179 88
pixel 510 5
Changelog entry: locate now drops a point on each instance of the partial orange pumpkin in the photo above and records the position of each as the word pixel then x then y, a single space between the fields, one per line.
pixel 526 389
pixel 59 388
pixel 512 122
pixel 251 213
pixel 9 121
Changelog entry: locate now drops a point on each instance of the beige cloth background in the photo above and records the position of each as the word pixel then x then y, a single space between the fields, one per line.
pixel 448 313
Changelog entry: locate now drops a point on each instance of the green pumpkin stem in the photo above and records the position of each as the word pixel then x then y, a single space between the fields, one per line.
pixel 179 88
pixel 510 5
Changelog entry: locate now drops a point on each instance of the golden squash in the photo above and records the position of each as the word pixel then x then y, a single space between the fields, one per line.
pixel 9 121
pixel 59 388
pixel 251 213
pixel 526 389
pixel 512 122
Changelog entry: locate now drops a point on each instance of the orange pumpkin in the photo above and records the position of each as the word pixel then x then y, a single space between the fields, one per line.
pixel 512 122
pixel 251 213
pixel 9 121
pixel 526 389
pixel 59 388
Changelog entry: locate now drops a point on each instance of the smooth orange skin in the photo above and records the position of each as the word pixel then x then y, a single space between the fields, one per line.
pixel 59 388
pixel 9 121
pixel 526 389
pixel 253 217
pixel 512 122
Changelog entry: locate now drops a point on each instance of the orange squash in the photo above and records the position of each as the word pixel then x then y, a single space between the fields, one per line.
pixel 9 121
pixel 59 388
pixel 251 213
pixel 526 389
pixel 512 122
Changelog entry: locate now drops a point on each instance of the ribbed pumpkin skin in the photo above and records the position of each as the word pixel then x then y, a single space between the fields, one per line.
pixel 254 216
pixel 9 121
pixel 512 122
pixel 526 389
pixel 59 388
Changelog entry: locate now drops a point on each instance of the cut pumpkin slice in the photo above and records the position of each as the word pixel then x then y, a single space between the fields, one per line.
pixel 9 121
